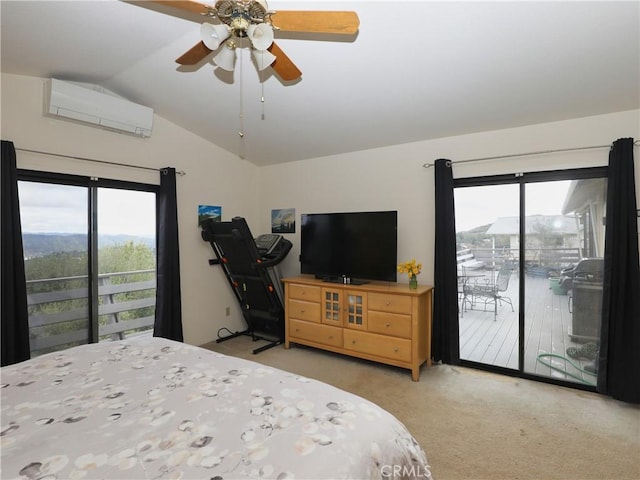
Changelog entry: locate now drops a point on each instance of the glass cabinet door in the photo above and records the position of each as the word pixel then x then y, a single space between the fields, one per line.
pixel 331 306
pixel 356 310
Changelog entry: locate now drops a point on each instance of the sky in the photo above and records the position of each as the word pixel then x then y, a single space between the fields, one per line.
pixel 477 206
pixel 49 208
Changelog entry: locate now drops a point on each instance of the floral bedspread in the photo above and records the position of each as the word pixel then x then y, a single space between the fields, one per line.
pixel 151 408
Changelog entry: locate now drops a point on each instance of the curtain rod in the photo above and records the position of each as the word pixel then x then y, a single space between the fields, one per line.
pixel 84 159
pixel 540 152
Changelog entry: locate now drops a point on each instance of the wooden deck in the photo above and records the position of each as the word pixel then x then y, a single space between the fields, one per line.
pixel 547 326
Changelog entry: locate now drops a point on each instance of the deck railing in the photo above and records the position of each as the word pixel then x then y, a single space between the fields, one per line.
pixel 59 308
pixel 538 261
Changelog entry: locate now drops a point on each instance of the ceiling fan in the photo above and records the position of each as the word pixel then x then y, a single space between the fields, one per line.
pixel 239 21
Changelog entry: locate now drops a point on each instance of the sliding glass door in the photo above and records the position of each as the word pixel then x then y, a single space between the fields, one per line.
pixel 530 264
pixel 564 267
pixel 126 262
pixel 487 244
pixel 89 253
pixel 55 223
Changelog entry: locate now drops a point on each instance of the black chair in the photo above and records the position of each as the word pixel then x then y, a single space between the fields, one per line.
pixel 490 293
pixel 252 277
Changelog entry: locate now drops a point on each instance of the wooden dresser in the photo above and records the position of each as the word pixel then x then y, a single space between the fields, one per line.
pixel 380 321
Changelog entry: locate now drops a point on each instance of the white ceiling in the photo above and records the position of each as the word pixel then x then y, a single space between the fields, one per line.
pixel 415 71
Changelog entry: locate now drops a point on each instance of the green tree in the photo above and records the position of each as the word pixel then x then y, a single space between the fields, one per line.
pixel 65 276
pixel 126 258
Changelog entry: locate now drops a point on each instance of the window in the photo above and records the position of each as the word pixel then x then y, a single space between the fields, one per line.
pixel 530 269
pixel 90 259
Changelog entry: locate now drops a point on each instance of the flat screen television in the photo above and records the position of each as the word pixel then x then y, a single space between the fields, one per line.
pixel 349 247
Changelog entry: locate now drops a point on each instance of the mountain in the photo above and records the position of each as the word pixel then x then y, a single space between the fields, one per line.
pixel 41 244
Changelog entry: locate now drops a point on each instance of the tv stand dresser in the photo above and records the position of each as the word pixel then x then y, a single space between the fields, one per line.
pixel 381 321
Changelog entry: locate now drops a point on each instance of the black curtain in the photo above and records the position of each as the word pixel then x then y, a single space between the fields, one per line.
pixel 619 358
pixel 168 321
pixel 445 345
pixel 15 316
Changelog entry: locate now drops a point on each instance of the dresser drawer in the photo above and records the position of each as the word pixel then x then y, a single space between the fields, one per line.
pixel 395 324
pixel 304 292
pixel 379 345
pixel 390 303
pixel 315 332
pixel 309 311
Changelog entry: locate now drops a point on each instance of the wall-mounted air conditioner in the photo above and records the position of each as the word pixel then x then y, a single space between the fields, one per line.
pixel 97 106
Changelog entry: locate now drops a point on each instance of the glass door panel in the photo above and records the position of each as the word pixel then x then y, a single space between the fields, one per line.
pixel 356 310
pixel 487 245
pixel 331 307
pixel 126 263
pixel 564 245
pixel 76 295
pixel 54 232
pixel 544 232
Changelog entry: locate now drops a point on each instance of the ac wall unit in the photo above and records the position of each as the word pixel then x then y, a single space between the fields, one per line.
pixel 97 106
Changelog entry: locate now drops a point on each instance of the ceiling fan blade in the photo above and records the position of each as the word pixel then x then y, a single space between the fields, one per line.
pixel 316 21
pixel 283 65
pixel 194 54
pixel 186 5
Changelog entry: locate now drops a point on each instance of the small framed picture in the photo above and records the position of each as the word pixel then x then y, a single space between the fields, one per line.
pixel 283 220
pixel 206 212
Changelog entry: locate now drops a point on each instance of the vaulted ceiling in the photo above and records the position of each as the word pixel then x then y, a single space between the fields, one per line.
pixel 416 70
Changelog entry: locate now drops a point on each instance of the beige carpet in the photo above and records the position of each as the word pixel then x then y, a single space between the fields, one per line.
pixel 477 425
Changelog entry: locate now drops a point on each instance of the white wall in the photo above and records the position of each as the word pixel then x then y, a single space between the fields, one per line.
pixel 393 178
pixel 213 177
pixel 390 178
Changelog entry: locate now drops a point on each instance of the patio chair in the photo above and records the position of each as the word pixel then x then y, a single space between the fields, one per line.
pixel 490 293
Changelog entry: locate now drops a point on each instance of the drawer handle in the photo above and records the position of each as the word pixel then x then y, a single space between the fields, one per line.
pixel 330 337
pixel 388 325
pixel 353 342
pixel 396 350
pixel 388 303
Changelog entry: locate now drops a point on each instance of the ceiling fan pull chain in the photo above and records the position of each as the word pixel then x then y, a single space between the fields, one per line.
pixel 241 119
pixel 262 93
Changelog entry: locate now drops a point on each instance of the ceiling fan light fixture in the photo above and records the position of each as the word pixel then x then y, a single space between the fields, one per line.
pixel 261 35
pixel 263 58
pixel 263 4
pixel 252 20
pixel 239 24
pixel 226 57
pixel 213 35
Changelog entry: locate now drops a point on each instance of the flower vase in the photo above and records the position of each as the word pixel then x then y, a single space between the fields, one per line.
pixel 413 282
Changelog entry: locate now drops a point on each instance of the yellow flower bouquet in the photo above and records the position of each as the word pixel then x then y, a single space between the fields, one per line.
pixel 411 268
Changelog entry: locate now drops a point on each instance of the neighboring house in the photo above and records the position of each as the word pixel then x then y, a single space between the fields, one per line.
pixel 587 199
pixel 541 230
pixel 551 239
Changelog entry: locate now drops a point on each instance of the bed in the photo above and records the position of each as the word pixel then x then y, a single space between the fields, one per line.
pixel 151 408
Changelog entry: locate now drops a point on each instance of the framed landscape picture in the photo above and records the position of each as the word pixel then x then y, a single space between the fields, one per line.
pixel 208 211
pixel 283 220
